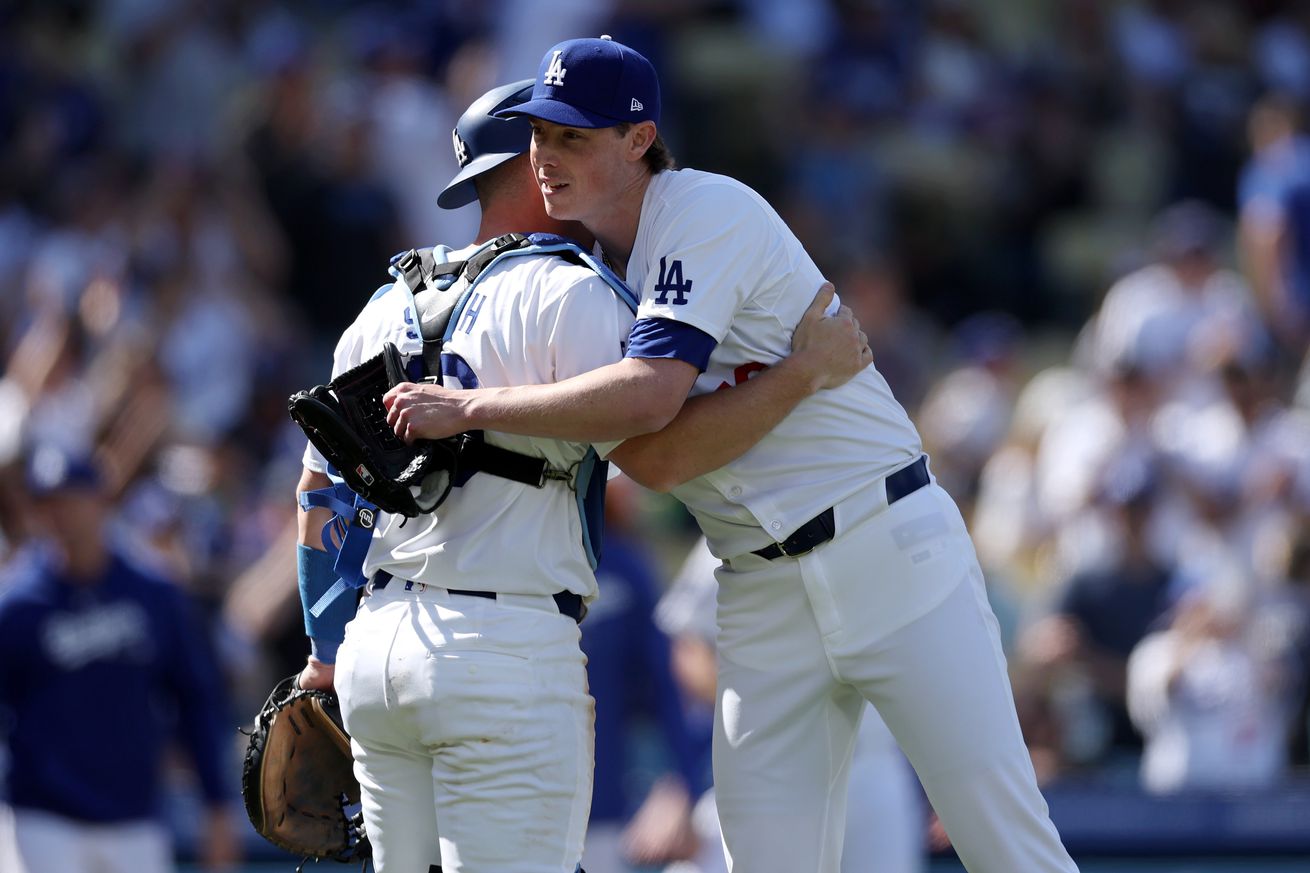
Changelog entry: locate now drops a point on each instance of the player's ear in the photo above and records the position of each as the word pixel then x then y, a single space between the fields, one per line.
pixel 640 138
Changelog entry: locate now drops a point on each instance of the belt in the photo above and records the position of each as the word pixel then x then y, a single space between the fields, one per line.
pixel 567 602
pixel 822 528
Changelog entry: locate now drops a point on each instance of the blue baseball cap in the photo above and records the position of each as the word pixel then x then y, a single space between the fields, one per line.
pixel 592 83
pixel 483 140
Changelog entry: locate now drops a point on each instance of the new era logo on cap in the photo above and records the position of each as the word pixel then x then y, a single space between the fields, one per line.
pixel 592 83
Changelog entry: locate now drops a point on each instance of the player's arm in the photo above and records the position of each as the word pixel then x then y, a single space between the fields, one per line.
pixel 316 574
pixel 639 394
pixel 630 397
pixel 714 429
pixel 193 675
pixel 315 567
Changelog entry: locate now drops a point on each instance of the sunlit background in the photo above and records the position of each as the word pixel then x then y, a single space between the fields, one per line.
pixel 1077 234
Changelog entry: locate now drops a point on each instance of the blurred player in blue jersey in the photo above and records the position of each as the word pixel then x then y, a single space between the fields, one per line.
pixel 96 653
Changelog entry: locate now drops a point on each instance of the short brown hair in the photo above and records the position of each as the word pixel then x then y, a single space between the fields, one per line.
pixel 658 156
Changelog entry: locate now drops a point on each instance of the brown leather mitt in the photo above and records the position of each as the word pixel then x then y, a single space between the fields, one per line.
pixel 297 780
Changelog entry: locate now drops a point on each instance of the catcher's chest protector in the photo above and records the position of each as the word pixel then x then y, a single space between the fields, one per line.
pixel 440 291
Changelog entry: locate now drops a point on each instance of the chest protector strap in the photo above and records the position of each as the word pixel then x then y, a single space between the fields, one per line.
pixel 441 289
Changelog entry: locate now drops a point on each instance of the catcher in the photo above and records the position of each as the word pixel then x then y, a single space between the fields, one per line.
pixel 461 682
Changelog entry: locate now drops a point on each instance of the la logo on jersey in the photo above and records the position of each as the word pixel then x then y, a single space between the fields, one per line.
pixel 555 72
pixel 671 282
pixel 461 149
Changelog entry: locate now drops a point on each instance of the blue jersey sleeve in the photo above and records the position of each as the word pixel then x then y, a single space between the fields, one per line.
pixel 196 681
pixel 666 338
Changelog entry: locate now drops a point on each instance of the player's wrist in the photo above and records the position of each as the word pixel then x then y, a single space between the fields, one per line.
pixel 478 408
pixel 322 653
pixel 804 371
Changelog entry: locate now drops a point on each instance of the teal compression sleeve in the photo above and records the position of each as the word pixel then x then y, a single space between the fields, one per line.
pixel 316 575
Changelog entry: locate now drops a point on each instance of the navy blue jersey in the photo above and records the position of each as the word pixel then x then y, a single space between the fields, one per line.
pixel 95 679
pixel 628 672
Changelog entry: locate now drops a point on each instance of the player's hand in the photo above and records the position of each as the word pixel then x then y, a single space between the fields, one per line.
pixel 220 845
pixel 317 676
pixel 1052 641
pixel 832 348
pixel 661 831
pixel 425 411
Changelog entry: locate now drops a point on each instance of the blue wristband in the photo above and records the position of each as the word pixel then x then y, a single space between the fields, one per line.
pixel 323 651
pixel 315 569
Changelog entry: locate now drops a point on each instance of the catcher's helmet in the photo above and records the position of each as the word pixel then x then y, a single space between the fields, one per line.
pixel 482 142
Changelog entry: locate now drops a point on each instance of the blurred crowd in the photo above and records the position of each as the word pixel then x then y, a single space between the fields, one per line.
pixel 1077 235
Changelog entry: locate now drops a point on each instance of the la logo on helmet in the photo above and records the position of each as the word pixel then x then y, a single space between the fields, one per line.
pixel 461 150
pixel 555 72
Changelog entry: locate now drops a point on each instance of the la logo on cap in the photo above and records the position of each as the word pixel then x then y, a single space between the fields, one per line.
pixel 461 150
pixel 555 73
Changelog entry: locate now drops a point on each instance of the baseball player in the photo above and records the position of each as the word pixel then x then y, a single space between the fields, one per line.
pixel 460 676
pixel 96 650
pixel 848 574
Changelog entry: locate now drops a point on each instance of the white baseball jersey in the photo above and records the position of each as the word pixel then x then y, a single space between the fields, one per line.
pixel 577 324
pixel 711 253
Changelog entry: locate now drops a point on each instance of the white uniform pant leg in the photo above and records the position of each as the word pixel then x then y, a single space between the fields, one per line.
pixel 784 730
pixel 939 680
pixel 604 850
pixel 35 841
pixel 885 824
pixel 393 767
pixel 953 710
pixel 483 705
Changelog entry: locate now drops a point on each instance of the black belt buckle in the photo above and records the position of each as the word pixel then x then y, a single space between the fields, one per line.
pixel 811 535
pixel 807 538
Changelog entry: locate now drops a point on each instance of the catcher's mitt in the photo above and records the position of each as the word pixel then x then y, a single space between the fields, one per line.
pixel 345 420
pixel 297 778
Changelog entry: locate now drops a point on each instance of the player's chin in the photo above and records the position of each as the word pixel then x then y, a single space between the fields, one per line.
pixel 559 207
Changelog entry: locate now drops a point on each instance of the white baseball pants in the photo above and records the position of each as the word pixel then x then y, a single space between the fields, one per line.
pixel 34 841
pixel 472 731
pixel 893 610
pixel 885 825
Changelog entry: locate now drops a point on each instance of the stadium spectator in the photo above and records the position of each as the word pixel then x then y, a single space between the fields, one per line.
pixel 1274 229
pixel 1212 710
pixel 1178 311
pixel 1081 647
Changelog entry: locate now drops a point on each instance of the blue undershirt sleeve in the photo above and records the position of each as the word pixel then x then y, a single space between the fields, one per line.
pixel 666 338
pixel 316 575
